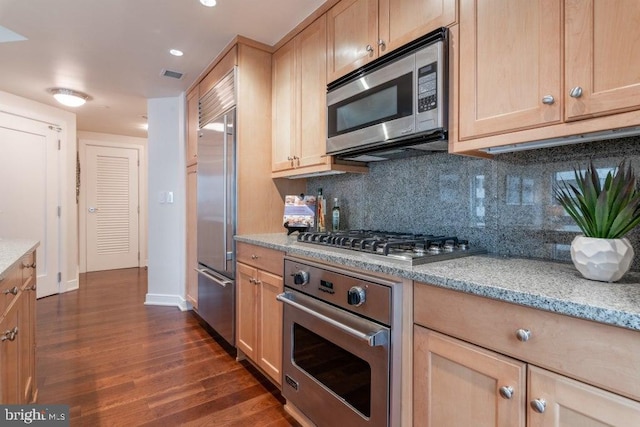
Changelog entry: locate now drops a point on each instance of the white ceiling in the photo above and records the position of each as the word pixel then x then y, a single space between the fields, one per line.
pixel 115 50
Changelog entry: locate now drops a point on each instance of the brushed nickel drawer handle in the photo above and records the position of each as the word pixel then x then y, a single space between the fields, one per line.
pixel 506 392
pixel 523 335
pixel 13 291
pixel 10 335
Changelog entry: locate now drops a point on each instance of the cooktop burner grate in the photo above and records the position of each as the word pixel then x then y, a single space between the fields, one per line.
pixel 409 248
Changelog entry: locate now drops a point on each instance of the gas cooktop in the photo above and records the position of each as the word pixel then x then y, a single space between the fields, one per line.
pixel 407 248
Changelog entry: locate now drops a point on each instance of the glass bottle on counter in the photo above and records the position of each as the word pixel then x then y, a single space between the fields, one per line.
pixel 320 212
pixel 335 215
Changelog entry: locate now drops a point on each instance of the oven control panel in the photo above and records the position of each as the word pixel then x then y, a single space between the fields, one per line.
pixel 359 293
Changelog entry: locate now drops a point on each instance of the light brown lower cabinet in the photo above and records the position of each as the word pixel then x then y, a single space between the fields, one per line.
pixel 568 403
pixel 457 384
pixel 483 362
pixel 259 314
pixel 192 236
pixel 17 334
pixel 461 384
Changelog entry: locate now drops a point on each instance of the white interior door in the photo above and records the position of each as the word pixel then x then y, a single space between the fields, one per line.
pixel 112 208
pixel 29 192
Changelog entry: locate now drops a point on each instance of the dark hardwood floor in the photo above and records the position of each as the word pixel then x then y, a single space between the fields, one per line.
pixel 117 362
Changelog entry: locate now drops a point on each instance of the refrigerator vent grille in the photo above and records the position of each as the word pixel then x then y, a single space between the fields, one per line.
pixel 218 100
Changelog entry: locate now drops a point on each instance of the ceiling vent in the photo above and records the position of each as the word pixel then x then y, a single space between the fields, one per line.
pixel 172 74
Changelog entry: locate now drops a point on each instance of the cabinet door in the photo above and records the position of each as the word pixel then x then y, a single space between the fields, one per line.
pixel 28 325
pixel 509 61
pixel 246 309
pixel 458 384
pixel 192 235
pixel 602 57
pixel 312 94
pixel 402 21
pixel 568 403
pixel 352 36
pixel 284 107
pixel 10 361
pixel 193 115
pixel 26 342
pixel 270 325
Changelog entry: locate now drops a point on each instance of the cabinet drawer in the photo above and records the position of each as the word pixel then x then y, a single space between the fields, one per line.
pixel 9 288
pixel 262 258
pixel 599 354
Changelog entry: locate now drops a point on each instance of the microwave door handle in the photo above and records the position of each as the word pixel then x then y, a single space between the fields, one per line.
pixel 378 338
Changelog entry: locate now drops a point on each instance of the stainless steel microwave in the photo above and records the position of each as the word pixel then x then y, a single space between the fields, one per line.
pixel 394 107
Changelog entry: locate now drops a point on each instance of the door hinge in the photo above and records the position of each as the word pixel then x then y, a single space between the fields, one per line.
pixel 58 145
pixel 138 256
pixel 59 211
pixel 59 277
pixel 138 209
pixel 138 162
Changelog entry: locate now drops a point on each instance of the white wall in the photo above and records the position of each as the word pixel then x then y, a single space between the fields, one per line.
pixel 69 230
pixel 166 221
pixel 109 140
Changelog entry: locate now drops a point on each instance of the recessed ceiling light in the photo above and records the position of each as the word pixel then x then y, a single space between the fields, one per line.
pixel 176 52
pixel 68 97
pixel 208 3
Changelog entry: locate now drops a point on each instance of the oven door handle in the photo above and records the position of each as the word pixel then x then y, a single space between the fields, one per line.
pixel 374 339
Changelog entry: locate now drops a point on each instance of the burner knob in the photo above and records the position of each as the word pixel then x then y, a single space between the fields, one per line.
pixel 356 296
pixel 300 278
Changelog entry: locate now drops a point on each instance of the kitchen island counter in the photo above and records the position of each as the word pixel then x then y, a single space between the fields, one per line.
pixel 11 251
pixel 553 286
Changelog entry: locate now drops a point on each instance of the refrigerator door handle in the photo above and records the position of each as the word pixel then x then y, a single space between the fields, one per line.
pixel 219 280
pixel 225 176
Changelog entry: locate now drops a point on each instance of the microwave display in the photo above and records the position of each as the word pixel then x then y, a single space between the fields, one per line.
pixel 427 87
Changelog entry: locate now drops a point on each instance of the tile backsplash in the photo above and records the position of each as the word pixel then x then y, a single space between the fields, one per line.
pixel 505 205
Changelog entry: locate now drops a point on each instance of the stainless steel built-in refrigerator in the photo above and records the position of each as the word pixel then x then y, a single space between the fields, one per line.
pixel 217 222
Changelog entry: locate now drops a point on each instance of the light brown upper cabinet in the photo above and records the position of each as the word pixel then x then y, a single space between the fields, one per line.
pixel 360 31
pixel 602 59
pixel 524 73
pixel 509 62
pixel 192 127
pixel 299 98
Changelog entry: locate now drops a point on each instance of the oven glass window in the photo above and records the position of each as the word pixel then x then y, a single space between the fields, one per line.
pixel 345 374
pixel 388 101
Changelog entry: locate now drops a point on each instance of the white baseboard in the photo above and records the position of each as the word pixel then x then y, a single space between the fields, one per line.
pixel 167 300
pixel 69 285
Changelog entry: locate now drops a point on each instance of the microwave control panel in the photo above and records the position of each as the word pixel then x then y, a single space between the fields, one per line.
pixel 428 87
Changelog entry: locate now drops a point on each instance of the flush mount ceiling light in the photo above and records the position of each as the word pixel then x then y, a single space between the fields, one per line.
pixel 176 52
pixel 208 3
pixel 68 97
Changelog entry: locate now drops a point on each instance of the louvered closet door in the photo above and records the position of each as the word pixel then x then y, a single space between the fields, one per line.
pixel 112 208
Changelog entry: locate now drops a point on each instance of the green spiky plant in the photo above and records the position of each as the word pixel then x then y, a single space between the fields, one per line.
pixel 606 211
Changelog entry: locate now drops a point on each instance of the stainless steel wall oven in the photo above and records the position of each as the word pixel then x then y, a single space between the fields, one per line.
pixel 341 345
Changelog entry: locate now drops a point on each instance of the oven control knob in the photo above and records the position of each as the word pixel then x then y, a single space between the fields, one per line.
pixel 356 296
pixel 301 277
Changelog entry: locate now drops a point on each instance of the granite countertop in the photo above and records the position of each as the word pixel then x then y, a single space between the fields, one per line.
pixel 11 250
pixel 552 286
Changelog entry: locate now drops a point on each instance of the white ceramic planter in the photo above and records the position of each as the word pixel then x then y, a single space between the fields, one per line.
pixel 606 260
